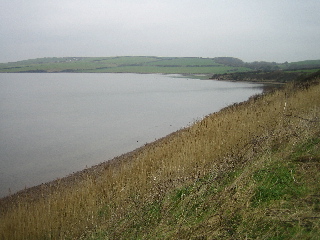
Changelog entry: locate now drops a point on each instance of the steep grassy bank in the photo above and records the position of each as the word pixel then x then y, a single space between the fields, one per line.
pixel 250 171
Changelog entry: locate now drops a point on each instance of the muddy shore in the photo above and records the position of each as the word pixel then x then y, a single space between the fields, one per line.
pixel 44 190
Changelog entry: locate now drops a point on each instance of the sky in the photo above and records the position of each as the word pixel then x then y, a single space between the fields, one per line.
pixel 252 30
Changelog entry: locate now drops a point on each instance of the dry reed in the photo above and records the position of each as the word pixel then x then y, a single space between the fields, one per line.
pixel 214 144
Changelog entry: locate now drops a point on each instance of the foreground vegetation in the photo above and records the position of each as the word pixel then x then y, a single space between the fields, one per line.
pixel 250 171
pixel 151 64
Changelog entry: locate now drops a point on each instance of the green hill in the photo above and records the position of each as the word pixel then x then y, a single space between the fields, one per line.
pixel 126 64
pixel 250 171
pixel 150 64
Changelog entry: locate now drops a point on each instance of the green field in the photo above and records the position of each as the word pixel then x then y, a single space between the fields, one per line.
pixel 139 64
pixel 227 68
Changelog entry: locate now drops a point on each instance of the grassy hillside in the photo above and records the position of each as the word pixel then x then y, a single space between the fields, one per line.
pixel 149 64
pixel 139 64
pixel 250 171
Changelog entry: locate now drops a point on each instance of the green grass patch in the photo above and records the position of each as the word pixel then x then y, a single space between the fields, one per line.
pixel 307 152
pixel 185 62
pixel 275 182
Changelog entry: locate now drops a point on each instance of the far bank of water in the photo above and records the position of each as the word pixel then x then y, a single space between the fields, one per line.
pixel 54 124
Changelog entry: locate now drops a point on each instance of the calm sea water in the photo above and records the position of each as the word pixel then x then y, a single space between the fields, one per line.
pixel 54 124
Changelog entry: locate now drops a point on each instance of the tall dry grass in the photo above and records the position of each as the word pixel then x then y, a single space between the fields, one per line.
pixel 69 211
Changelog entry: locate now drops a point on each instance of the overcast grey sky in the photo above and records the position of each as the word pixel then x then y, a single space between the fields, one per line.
pixel 252 30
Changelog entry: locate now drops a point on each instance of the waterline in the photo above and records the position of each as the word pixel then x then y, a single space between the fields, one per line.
pixel 54 124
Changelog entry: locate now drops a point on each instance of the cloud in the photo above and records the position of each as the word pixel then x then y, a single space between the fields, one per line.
pixel 252 30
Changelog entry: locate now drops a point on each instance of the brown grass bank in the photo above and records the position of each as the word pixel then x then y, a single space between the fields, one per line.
pixel 202 182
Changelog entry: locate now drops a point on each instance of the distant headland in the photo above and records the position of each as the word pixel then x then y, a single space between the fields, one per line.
pixel 223 68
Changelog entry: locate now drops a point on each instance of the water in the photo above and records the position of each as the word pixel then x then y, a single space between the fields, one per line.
pixel 54 124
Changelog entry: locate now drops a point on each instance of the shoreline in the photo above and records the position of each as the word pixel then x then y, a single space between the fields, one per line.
pixel 44 190
pixel 196 181
pixel 47 188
